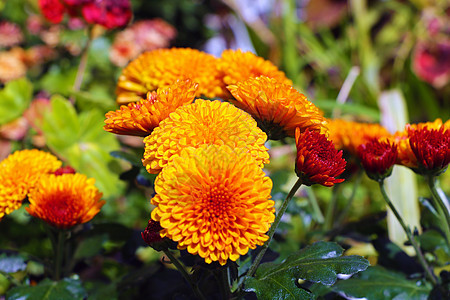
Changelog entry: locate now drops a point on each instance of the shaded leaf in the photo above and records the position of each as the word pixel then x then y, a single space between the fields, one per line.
pixel 66 289
pixel 378 283
pixel 82 142
pixel 15 99
pixel 320 263
pixel 90 246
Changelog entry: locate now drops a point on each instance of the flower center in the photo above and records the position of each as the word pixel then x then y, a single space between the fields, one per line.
pixel 217 201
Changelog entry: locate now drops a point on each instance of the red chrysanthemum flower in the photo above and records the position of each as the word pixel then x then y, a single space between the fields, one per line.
pixel 108 13
pixel 318 161
pixel 377 158
pixel 431 147
pixel 53 10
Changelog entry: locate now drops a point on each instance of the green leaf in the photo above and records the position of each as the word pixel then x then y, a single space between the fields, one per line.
pixel 12 264
pixel 320 263
pixel 58 81
pixel 378 283
pixel 277 288
pixel 349 108
pixel 129 157
pixel 81 141
pixel 15 99
pixel 90 246
pixel 66 289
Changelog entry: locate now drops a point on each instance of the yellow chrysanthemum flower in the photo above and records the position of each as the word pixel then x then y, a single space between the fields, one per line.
pixel 237 66
pixel 140 118
pixel 349 135
pixel 215 202
pixel 65 200
pixel 162 67
pixel 203 122
pixel 277 107
pixel 19 173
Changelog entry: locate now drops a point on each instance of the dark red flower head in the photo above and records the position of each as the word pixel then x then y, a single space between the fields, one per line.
pixel 109 13
pixel 152 237
pixel 378 158
pixel 318 161
pixel 431 148
pixel 65 170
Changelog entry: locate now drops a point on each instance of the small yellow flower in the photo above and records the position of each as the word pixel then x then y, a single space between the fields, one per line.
pixel 200 123
pixel 65 200
pixel 162 67
pixel 215 202
pixel 277 107
pixel 19 173
pixel 140 118
pixel 237 66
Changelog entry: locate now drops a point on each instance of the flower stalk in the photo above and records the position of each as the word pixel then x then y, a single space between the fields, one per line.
pixel 409 235
pixel 59 254
pixel 440 206
pixel 184 273
pixel 272 229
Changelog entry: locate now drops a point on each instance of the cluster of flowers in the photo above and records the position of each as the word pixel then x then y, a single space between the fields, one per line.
pixel 212 196
pixel 145 35
pixel 422 147
pixel 58 195
pixel 108 13
pixel 14 60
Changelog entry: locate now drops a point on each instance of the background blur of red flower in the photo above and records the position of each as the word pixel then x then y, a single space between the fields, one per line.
pixel 431 62
pixel 53 10
pixel 108 13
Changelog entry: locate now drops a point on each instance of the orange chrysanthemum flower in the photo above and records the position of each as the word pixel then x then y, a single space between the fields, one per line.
pixel 278 108
pixel 378 158
pixel 237 66
pixel 406 156
pixel 214 201
pixel 318 161
pixel 19 173
pixel 200 123
pixel 161 67
pixel 140 118
pixel 65 200
pixel 349 135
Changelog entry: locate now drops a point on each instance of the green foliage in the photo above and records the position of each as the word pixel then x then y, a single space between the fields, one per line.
pixel 14 99
pixel 320 263
pixel 378 283
pixel 81 141
pixel 66 289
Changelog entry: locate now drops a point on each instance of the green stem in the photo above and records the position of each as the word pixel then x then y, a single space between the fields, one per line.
pixel 59 254
pixel 411 239
pixel 272 229
pixel 184 273
pixel 224 283
pixel 82 66
pixel 317 213
pixel 331 208
pixel 440 206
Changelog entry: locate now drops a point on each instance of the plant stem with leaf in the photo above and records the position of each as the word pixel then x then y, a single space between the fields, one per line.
pixel 439 204
pixel 185 274
pixel 272 229
pixel 409 235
